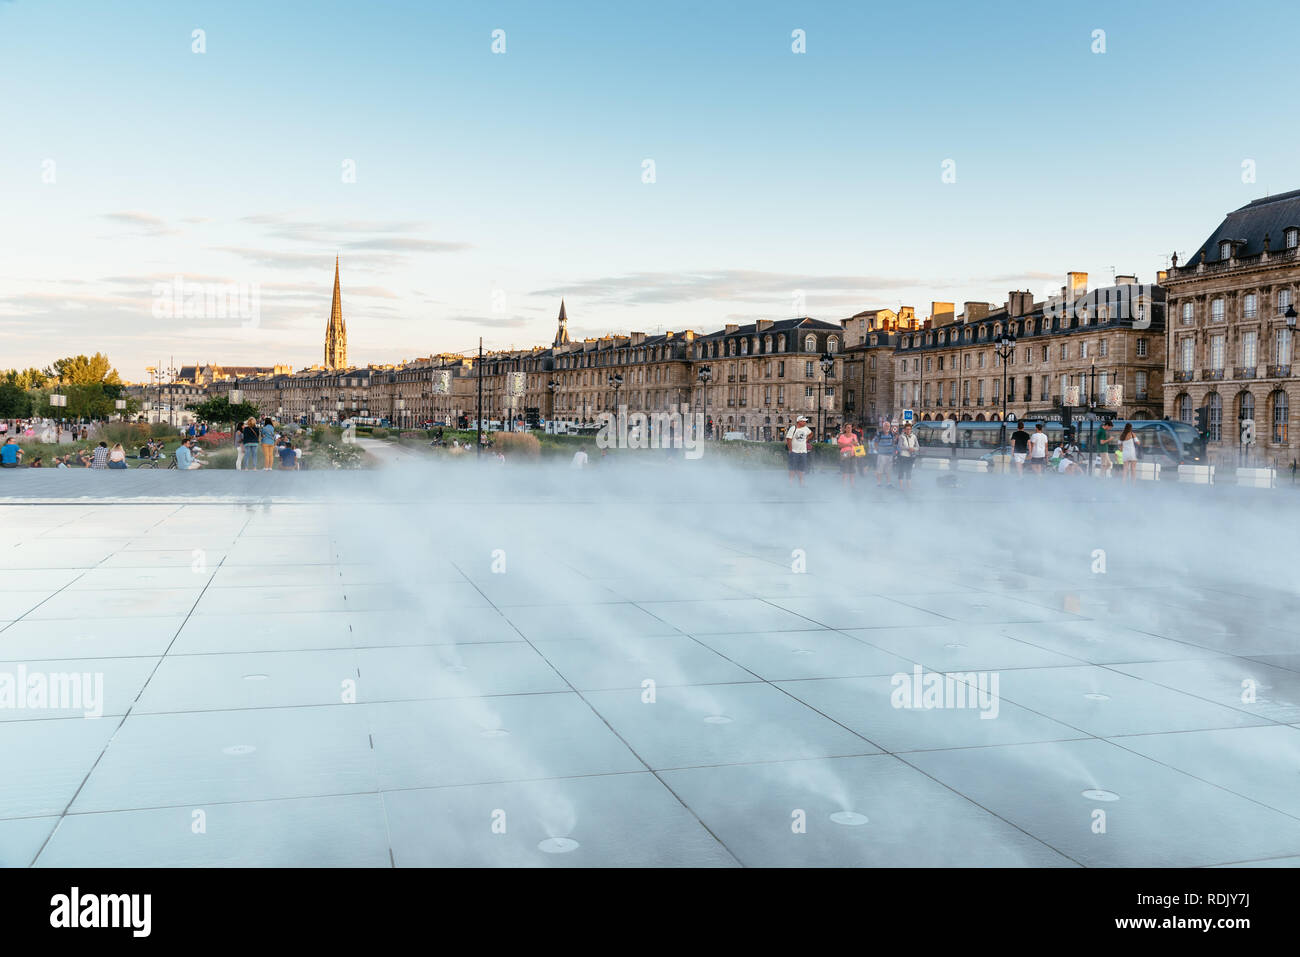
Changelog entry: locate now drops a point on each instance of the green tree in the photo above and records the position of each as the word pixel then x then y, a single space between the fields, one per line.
pixel 15 403
pixel 80 370
pixel 26 379
pixel 220 411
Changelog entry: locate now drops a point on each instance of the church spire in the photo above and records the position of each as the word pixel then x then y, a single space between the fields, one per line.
pixel 336 333
pixel 562 333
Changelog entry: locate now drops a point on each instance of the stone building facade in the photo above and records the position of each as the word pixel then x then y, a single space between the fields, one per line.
pixel 949 367
pixel 1232 318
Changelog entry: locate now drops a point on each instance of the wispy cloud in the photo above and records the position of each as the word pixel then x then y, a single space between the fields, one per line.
pixel 144 223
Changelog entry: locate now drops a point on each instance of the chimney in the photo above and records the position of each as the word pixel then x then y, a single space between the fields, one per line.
pixel 763 325
pixel 974 311
pixel 1161 276
pixel 907 317
pixel 1020 303
pixel 732 326
pixel 637 338
pixel 941 313
pixel 1126 280
pixel 1076 284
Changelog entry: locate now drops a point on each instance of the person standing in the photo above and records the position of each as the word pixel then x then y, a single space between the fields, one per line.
pixel 884 455
pixel 1020 447
pixel 1104 442
pixel 1128 448
pixel 908 449
pixel 1038 449
pixel 796 449
pixel 268 444
pixel 238 436
pixel 252 439
pixel 846 441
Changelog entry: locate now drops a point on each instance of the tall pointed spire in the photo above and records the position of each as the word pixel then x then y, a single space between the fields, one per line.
pixel 562 333
pixel 336 333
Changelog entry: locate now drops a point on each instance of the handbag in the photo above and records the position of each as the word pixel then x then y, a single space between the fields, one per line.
pixel 859 451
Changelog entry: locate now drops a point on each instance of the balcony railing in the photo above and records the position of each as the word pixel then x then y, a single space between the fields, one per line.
pixel 1183 375
pixel 1279 372
pixel 1237 262
pixel 1243 372
pixel 1211 375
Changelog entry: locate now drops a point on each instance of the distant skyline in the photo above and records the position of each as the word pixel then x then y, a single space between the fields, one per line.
pixel 490 185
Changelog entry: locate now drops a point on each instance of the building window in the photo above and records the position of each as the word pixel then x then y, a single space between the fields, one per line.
pixel 1103 348
pixel 1283 300
pixel 1216 352
pixel 981 362
pixel 1047 389
pixel 1083 350
pixel 1185 408
pixel 873 363
pixel 810 343
pixel 1186 353
pixel 1250 306
pixel 1281 417
pixel 808 369
pixel 1249 347
pixel 927 364
pixel 1045 353
pixel 941 363
pixel 1245 406
pixel 966 361
pixel 1292 237
pixel 1188 313
pixel 1225 249
pixel 1142 348
pixel 1282 347
pixel 1214 403
pixel 1141 384
pixel 1216 310
pixel 832 345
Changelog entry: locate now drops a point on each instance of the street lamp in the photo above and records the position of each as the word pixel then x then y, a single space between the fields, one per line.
pixel 705 374
pixel 1006 348
pixel 616 380
pixel 551 386
pixel 1290 315
pixel 827 364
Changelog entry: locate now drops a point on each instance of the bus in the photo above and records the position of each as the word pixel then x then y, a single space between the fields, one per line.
pixel 1168 442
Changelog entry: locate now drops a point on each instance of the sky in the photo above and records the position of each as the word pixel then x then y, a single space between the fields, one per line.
pixel 466 191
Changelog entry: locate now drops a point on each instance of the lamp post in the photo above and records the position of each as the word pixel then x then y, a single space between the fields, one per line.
pixel 1006 348
pixel 616 380
pixel 551 386
pixel 705 374
pixel 827 364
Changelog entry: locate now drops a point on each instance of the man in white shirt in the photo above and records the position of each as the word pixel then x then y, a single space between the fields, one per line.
pixel 1038 449
pixel 579 459
pixel 796 447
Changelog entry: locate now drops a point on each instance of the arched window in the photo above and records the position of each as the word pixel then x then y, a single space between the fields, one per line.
pixel 744 347
pixel 767 343
pixel 1184 408
pixel 780 343
pixel 832 345
pixel 1215 405
pixel 1245 406
pixel 1281 417
pixel 810 343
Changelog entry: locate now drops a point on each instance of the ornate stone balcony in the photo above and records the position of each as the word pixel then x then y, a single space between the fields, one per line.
pixel 1243 372
pixel 1183 375
pixel 1279 372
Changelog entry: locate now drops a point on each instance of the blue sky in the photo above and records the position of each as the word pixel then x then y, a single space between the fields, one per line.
pixel 490 185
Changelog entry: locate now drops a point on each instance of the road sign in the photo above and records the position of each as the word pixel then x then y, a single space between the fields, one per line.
pixel 907 415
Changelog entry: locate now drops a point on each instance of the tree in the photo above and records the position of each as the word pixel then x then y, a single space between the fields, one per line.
pixel 219 410
pixel 26 379
pixel 79 370
pixel 15 403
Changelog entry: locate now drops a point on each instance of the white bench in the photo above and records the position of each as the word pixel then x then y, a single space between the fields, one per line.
pixel 935 464
pixel 1257 478
pixel 1196 474
pixel 973 465
pixel 1146 471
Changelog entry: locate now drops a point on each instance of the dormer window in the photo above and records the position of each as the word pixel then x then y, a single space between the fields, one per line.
pixel 1225 249
pixel 1292 237
pixel 832 345
pixel 810 343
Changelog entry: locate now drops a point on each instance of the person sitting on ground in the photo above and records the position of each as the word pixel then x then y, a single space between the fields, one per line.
pixel 99 458
pixel 117 457
pixel 61 462
pixel 288 456
pixel 185 456
pixel 10 454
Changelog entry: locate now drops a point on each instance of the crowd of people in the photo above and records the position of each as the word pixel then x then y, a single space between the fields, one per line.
pixel 261 447
pixel 891 453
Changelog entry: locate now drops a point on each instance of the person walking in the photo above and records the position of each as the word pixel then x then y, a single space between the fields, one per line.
pixel 847 441
pixel 796 449
pixel 1104 442
pixel 252 437
pixel 117 457
pixel 268 444
pixel 908 448
pixel 1128 452
pixel 1038 449
pixel 884 455
pixel 1020 447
